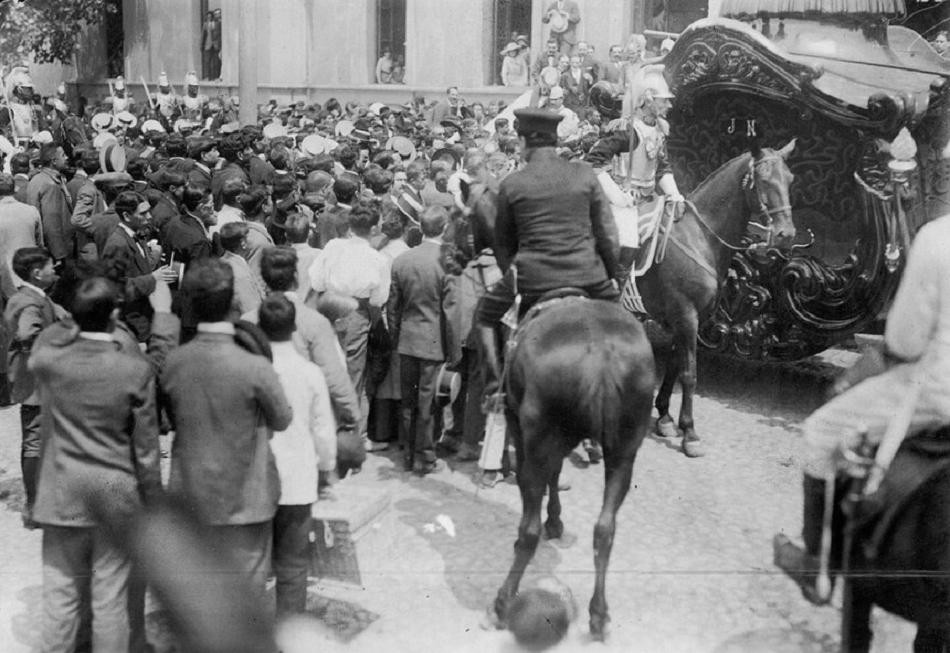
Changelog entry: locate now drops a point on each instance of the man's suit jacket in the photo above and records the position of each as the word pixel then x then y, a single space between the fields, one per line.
pixel 20 227
pixel 185 237
pixel 575 92
pixel 225 404
pixel 612 72
pixel 200 176
pixel 218 177
pixel 573 18
pixel 554 222
pixel 415 309
pixel 26 315
pixel 165 210
pixel 20 184
pixel 131 267
pixel 48 194
pixel 101 227
pixel 99 432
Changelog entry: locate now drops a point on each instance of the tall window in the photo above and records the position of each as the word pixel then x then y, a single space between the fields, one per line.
pixel 391 38
pixel 115 41
pixel 511 18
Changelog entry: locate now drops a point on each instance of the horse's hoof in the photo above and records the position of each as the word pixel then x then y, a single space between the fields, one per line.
pixel 666 428
pixel 553 531
pixel 694 448
pixel 598 628
pixel 490 620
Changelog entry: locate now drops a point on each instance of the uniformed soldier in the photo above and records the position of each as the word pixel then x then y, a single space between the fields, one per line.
pixel 632 162
pixel 22 118
pixel 192 102
pixel 167 102
pixel 121 99
pixel 552 230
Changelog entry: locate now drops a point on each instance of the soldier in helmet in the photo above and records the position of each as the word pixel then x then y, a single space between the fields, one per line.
pixel 121 99
pixel 167 102
pixel 632 162
pixel 193 103
pixel 22 118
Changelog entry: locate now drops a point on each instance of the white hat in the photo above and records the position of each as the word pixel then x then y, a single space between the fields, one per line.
pixel 344 128
pixel 313 145
pixel 59 105
pixel 274 130
pixel 103 138
pixel 19 76
pixel 120 83
pixel 125 118
pixel 43 137
pixel 152 126
pixel 667 44
pixel 376 107
pixel 650 78
pixel 191 79
pixel 102 121
pixel 163 79
pixel 112 157
pixel 557 93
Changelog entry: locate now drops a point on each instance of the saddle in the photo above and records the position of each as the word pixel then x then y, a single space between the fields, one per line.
pixel 920 458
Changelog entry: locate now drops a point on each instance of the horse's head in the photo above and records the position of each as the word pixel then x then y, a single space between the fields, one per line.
pixel 767 184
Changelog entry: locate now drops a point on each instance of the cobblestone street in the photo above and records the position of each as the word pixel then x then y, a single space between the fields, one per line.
pixel 692 560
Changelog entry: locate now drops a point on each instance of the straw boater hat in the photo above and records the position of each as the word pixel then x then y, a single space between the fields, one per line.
pixel 112 157
pixel 102 122
pixel 152 126
pixel 511 47
pixel 314 144
pixel 402 146
pixel 274 130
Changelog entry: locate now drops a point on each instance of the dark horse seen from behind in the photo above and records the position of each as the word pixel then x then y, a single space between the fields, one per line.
pixel 581 369
pixel 681 291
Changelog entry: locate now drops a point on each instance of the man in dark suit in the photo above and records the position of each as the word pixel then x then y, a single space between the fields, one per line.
pixel 100 437
pixel 172 184
pixel 225 403
pixel 417 322
pixel 29 311
pixel 554 225
pixel 47 192
pixel 131 263
pixel 235 151
pixel 20 169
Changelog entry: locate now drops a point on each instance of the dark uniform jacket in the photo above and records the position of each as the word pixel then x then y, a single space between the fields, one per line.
pixel 554 223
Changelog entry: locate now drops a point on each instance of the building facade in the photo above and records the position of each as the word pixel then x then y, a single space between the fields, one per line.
pixel 306 47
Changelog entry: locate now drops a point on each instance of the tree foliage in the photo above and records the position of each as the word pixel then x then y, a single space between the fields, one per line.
pixel 47 30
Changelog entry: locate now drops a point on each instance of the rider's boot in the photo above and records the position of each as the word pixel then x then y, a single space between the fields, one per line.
pixel 802 563
pixel 625 263
pixel 488 340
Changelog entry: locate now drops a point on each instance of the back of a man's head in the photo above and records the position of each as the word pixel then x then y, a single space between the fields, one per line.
pixel 232 235
pixel 20 163
pixel 277 317
pixel 93 305
pixel 279 268
pixel 345 189
pixel 297 228
pixel 7 185
pixel 231 189
pixel 27 259
pixel 210 284
pixel 433 221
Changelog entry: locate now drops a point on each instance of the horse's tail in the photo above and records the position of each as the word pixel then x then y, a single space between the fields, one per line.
pixel 604 399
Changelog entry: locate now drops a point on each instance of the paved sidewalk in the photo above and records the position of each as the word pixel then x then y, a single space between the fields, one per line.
pixel 692 560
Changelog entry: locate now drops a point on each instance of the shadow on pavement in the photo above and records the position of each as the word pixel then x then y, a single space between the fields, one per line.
pixel 479 554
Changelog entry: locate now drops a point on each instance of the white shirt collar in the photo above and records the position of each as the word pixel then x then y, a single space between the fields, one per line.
pixel 226 328
pixel 292 296
pixel 437 241
pixel 96 335
pixel 36 289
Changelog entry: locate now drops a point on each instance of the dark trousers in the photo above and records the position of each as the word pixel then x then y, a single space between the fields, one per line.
pixel 243 550
pixel 291 558
pixel 30 451
pixel 417 383
pixel 385 419
pixel 469 402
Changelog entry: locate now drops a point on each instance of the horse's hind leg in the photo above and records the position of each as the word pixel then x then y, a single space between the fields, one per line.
pixel 532 479
pixel 618 471
pixel 554 527
pixel 664 423
pixel 686 348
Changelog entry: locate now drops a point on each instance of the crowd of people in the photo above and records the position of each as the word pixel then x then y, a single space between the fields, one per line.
pixel 280 298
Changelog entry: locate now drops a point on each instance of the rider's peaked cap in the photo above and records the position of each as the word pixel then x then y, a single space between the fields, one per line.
pixel 536 121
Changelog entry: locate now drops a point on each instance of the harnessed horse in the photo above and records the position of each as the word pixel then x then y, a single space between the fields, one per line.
pixel 681 291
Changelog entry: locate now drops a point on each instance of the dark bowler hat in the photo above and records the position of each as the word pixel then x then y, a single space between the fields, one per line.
pixel 536 121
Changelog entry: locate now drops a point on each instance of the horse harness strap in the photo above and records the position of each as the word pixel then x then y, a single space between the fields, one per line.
pixel 694 256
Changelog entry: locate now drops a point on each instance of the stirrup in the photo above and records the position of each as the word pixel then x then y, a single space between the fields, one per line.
pixel 494 402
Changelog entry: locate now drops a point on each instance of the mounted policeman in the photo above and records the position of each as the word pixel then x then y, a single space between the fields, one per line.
pixel 632 164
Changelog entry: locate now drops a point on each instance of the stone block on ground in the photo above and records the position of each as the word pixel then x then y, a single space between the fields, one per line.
pixel 348 529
